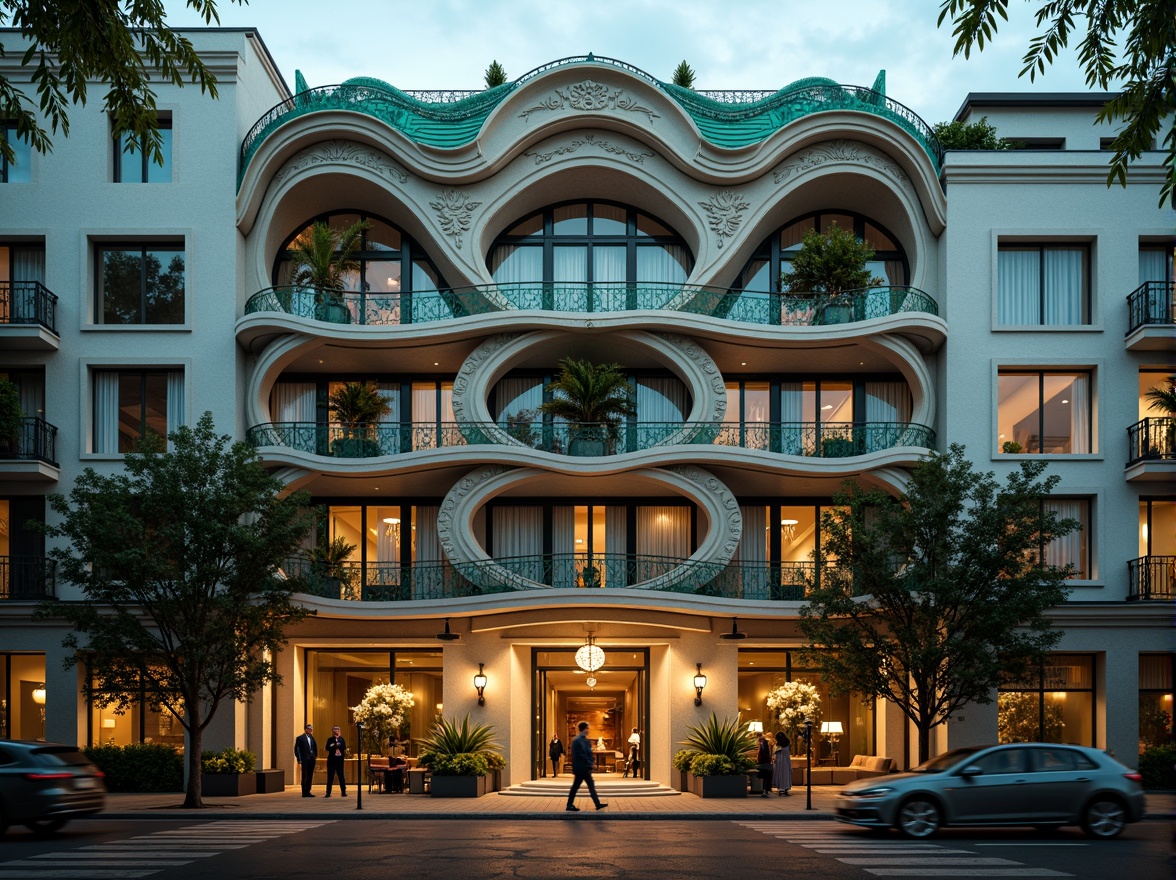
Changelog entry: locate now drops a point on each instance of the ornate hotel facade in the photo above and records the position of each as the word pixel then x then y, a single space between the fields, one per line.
pixel 588 210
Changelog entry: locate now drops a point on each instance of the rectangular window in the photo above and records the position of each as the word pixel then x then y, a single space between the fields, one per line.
pixel 1053 703
pixel 1044 412
pixel 140 284
pixel 133 165
pixel 1155 263
pixel 18 170
pixel 129 403
pixel 1155 699
pixel 1043 285
pixel 1072 549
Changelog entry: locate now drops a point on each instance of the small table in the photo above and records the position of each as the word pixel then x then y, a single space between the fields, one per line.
pixel 417 779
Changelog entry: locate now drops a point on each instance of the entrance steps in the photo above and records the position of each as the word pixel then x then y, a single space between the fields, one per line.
pixel 606 786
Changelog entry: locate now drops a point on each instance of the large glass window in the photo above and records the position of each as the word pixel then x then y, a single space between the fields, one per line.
pixel 1044 412
pixel 130 403
pixel 1043 285
pixel 140 284
pixel 141 722
pixel 18 170
pixel 135 165
pixel 1072 549
pixel 1054 703
pixel 22 696
pixel 1155 699
pixel 1157 527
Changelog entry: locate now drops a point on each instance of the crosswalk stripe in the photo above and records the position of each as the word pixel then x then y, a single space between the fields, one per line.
pixel 947 862
pixel 1023 871
pixel 19 871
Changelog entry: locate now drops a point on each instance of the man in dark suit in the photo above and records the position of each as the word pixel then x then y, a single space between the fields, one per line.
pixel 305 754
pixel 336 751
pixel 583 763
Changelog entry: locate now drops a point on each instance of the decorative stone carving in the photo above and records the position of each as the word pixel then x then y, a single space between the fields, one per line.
pixel 589 97
pixel 733 519
pixel 454 209
pixel 724 212
pixel 452 502
pixel 343 153
pixel 590 140
pixel 688 348
pixel 840 151
pixel 461 384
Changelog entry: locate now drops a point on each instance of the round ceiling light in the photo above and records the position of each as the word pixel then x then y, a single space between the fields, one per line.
pixel 590 656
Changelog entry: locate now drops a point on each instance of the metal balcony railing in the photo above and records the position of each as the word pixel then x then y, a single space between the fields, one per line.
pixel 36 440
pixel 807 439
pixel 28 302
pixel 1152 439
pixel 1151 578
pixel 745 307
pixel 1153 302
pixel 27 578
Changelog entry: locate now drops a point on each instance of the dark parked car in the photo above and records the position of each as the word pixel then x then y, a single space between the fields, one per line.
pixel 1038 784
pixel 44 785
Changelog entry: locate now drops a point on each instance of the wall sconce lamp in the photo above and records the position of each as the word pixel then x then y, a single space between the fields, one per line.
pixel 480 684
pixel 699 684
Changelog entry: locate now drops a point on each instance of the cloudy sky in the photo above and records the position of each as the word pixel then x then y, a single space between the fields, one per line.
pixel 732 44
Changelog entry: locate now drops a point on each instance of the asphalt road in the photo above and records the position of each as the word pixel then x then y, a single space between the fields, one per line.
pixel 574 847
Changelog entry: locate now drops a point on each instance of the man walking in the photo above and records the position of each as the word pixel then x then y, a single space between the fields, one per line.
pixel 583 764
pixel 336 752
pixel 305 754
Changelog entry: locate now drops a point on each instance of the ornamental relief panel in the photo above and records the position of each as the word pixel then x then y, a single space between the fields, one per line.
pixel 454 211
pixel 343 153
pixel 589 97
pixel 841 151
pixel 724 213
pixel 594 141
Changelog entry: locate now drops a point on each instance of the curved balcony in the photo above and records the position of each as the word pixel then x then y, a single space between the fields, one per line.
pixel 29 578
pixel 1151 578
pixel 745 307
pixel 805 439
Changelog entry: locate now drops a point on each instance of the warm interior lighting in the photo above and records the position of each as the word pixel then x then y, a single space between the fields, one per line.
pixel 108 724
pixel 39 695
pixel 789 528
pixel 590 656
pixel 755 727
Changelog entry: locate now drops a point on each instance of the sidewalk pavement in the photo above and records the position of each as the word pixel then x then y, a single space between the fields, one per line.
pixel 290 804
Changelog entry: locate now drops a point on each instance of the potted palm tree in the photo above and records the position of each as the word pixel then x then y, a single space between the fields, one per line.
pixel 1164 400
pixel 357 407
pixel 462 757
pixel 322 259
pixel 720 758
pixel 593 398
pixel 827 266
pixel 328 561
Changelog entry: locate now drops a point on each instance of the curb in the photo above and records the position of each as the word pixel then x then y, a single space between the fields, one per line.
pixel 364 815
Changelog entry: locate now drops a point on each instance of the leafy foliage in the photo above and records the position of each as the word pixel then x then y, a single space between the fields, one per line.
pixel 461 764
pixel 589 393
pixel 683 76
pixel 930 598
pixel 357 406
pixel 683 758
pixel 1128 41
pixel 495 75
pixel 139 767
pixel 382 712
pixel 1157 765
pixel 792 703
pixel 1163 399
pixel 323 257
pixel 176 558
pixel 1018 719
pixel 448 740
pixel 78 42
pixel 10 412
pixel 726 742
pixel 228 761
pixel 831 263
pixel 978 135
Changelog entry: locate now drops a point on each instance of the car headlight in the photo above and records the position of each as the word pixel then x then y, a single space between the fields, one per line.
pixel 880 791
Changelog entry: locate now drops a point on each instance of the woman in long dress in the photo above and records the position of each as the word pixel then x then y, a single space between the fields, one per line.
pixel 782 771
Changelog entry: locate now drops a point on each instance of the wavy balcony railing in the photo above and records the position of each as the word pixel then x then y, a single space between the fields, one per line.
pixel 27 578
pixel 36 440
pixel 1152 439
pixel 746 307
pixel 1151 578
pixel 807 439
pixel 28 302
pixel 1153 302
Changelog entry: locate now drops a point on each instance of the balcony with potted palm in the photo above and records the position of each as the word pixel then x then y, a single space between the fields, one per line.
pixel 1151 442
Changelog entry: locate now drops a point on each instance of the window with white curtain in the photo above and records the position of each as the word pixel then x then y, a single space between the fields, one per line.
pixel 1043 412
pixel 663 531
pixel 1155 263
pixel 1074 548
pixel 130 403
pixel 1043 285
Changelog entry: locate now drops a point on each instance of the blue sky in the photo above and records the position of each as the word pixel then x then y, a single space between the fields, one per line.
pixel 732 44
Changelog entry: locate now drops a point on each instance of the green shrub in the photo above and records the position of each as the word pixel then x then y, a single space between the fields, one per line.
pixel 1157 765
pixel 465 749
pixel 462 764
pixel 683 759
pixel 145 767
pixel 227 761
pixel 713 765
pixel 719 747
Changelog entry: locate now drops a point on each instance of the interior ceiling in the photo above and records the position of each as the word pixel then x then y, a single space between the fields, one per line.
pixel 609 685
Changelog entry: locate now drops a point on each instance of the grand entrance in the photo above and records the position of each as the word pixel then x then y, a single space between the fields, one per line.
pixel 613 700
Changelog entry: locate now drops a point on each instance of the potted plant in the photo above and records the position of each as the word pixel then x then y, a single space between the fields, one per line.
pixel 720 747
pixel 382 712
pixel 461 757
pixel 681 761
pixel 11 417
pixel 593 398
pixel 228 773
pixel 357 407
pixel 328 560
pixel 1011 447
pixel 322 257
pixel 1164 400
pixel 828 266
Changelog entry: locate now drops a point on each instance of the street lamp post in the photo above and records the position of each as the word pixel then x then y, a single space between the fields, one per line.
pixel 808 761
pixel 359 769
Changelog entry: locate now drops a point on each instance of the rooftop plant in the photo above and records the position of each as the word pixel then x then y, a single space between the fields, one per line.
pixel 830 263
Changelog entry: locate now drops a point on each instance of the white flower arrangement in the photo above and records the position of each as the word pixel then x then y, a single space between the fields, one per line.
pixel 382 711
pixel 794 701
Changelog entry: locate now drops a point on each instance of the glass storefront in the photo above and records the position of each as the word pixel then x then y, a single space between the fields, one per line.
pixel 1052 704
pixel 22 696
pixel 1155 699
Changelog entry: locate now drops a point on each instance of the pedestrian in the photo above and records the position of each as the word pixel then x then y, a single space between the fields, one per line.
pixel 632 761
pixel 336 752
pixel 555 751
pixel 763 764
pixel 305 754
pixel 583 764
pixel 782 763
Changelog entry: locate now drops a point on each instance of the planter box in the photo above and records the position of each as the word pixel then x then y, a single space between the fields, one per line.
pixel 457 786
pixel 719 786
pixel 270 781
pixel 682 782
pixel 228 784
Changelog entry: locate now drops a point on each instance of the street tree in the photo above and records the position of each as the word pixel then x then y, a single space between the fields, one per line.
pixel 930 598
pixel 79 42
pixel 178 561
pixel 978 135
pixel 1145 64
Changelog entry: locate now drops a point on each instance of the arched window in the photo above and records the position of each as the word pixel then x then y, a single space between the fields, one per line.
pixel 596 244
pixel 763 270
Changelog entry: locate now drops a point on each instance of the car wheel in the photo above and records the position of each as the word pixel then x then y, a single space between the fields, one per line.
pixel 45 826
pixel 1104 818
pixel 918 818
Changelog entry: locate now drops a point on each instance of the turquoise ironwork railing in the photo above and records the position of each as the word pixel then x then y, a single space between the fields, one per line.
pixel 807 439
pixel 451 119
pixel 749 307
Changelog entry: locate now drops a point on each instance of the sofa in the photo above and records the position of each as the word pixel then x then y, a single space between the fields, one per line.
pixel 861 767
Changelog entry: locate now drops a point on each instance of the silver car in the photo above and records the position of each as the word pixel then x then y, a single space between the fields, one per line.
pixel 43 785
pixel 1039 784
